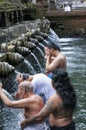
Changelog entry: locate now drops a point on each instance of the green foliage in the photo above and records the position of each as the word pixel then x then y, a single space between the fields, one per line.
pixel 6 5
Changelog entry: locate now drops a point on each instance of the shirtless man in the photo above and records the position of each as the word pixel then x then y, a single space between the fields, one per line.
pixel 31 103
pixel 60 106
pixel 54 58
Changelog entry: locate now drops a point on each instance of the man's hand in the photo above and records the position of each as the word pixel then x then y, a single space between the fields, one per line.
pixel 23 124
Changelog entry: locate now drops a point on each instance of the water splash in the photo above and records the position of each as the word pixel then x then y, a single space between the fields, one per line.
pixel 34 61
pixel 7 93
pixel 30 67
pixel 41 44
pixel 41 52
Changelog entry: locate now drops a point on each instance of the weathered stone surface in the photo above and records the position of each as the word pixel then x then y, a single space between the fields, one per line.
pixel 68 24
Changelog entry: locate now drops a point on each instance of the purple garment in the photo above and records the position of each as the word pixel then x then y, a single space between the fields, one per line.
pixel 42 86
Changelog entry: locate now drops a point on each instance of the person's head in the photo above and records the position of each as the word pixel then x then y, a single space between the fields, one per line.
pixel 25 89
pixel 51 47
pixel 24 76
pixel 63 87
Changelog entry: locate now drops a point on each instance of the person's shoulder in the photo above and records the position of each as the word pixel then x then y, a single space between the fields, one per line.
pixel 34 97
pixel 37 98
pixel 54 101
pixel 55 97
pixel 61 56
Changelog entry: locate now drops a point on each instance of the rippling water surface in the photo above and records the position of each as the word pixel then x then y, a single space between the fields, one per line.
pixel 75 51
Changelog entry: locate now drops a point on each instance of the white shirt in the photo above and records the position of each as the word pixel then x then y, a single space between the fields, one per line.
pixel 67 8
pixel 42 86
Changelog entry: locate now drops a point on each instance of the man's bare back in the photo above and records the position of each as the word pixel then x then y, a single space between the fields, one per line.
pixel 33 106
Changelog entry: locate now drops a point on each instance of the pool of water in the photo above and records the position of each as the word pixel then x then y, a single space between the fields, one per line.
pixel 75 51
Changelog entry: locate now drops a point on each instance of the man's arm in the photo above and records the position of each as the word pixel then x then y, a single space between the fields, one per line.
pixel 45 112
pixel 16 104
pixel 53 65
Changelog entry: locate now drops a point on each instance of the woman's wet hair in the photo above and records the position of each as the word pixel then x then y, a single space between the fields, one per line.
pixel 53 45
pixel 60 75
pixel 63 87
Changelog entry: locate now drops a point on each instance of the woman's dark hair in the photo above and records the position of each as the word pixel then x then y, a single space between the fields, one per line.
pixel 61 83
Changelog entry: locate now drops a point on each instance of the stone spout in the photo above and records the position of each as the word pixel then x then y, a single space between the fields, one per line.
pixel 30 45
pixel 14 58
pixel 40 38
pixel 23 51
pixel 7 47
pixel 34 41
pixel 5 69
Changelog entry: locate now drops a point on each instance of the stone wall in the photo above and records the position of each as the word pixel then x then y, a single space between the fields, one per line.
pixel 68 24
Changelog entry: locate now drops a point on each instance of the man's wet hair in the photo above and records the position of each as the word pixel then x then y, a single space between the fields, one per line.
pixel 63 87
pixel 52 45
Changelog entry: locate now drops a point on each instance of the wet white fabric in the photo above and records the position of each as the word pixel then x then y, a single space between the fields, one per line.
pixel 41 126
pixel 42 86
